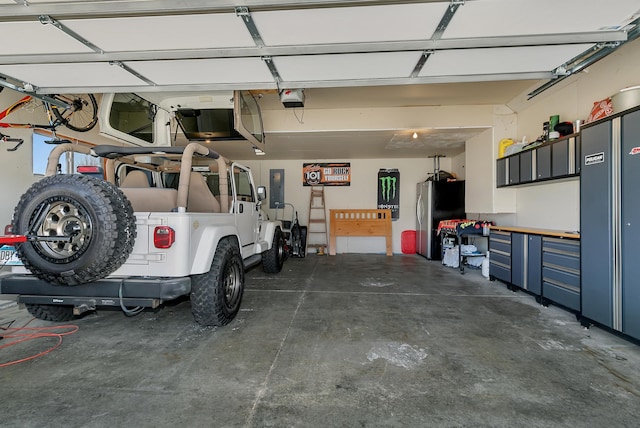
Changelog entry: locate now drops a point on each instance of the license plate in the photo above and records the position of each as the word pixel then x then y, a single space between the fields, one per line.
pixel 8 256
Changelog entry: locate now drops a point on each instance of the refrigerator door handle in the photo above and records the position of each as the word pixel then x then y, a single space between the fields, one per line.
pixel 419 210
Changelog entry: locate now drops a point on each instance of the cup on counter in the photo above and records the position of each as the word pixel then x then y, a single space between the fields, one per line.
pixel 577 124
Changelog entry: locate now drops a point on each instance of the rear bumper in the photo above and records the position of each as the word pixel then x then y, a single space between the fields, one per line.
pixel 149 292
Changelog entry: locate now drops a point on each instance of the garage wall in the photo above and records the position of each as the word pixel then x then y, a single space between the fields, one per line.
pixel 16 167
pixel 362 193
pixel 556 205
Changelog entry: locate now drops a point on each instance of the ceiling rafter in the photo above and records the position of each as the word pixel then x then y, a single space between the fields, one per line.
pixel 128 8
pixel 320 49
pixel 48 20
pixel 437 35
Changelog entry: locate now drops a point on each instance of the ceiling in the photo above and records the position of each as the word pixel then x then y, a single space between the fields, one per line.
pixel 346 54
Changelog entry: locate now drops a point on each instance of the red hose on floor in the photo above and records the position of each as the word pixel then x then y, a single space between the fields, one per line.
pixel 24 334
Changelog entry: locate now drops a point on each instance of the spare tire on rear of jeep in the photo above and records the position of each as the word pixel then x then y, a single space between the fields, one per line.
pixel 80 229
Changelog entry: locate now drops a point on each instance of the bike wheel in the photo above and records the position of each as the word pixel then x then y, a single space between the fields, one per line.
pixel 83 114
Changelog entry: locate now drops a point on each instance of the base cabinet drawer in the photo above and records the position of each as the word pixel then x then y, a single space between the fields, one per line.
pixel 561 272
pixel 499 271
pixel 561 295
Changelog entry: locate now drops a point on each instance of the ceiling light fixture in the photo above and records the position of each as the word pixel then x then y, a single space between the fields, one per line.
pixel 415 135
pixel 258 152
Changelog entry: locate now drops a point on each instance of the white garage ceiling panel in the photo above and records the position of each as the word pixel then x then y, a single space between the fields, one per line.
pixel 311 43
pixel 71 75
pixel 349 24
pixel 221 30
pixel 207 71
pixel 525 59
pixel 486 18
pixel 23 38
pixel 347 66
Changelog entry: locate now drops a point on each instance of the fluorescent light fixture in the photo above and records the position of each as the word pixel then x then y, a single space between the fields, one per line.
pixel 259 152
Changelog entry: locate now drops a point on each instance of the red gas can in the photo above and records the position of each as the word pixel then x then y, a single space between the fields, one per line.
pixel 408 242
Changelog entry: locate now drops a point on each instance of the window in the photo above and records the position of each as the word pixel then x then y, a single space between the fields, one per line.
pixel 69 162
pixel 248 120
pixel 207 124
pixel 133 116
pixel 244 190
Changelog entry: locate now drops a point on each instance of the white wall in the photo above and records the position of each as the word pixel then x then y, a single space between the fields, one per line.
pixel 16 167
pixel 556 205
pixel 362 193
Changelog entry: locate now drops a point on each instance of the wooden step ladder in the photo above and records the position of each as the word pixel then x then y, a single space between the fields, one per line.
pixel 317 225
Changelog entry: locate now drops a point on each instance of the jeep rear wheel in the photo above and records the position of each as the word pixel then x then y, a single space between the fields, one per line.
pixel 51 312
pixel 217 294
pixel 80 229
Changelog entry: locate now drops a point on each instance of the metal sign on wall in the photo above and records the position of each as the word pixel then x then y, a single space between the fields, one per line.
pixel 326 174
pixel 389 191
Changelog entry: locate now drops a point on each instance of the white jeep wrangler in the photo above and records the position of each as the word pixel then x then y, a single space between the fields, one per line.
pixel 167 222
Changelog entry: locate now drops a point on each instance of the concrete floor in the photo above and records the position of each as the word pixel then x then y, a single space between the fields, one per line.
pixel 345 341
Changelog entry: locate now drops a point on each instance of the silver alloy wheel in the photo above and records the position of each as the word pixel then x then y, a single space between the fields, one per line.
pixel 65 219
pixel 232 285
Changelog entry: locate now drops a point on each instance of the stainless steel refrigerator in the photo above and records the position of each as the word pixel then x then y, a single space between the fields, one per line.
pixel 437 200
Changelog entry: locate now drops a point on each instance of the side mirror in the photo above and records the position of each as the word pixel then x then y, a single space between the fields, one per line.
pixel 262 193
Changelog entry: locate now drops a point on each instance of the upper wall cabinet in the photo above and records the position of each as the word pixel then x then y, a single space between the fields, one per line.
pixel 552 160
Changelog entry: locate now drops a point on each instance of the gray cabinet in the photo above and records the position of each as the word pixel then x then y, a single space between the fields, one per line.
pixel 514 169
pixel 552 160
pixel 526 253
pixel 610 222
pixel 501 172
pixel 526 166
pixel 545 263
pixel 561 271
pixel 560 158
pixel 500 255
pixel 543 162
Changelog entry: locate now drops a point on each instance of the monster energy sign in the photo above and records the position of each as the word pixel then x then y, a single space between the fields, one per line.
pixel 389 191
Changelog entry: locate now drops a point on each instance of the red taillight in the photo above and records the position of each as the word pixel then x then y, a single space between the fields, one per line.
pixel 89 169
pixel 163 237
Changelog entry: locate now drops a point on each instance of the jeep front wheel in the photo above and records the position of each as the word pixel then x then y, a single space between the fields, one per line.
pixel 217 294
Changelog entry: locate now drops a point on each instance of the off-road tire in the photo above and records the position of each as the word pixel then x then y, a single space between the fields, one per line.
pixel 118 198
pixel 53 313
pixel 92 213
pixel 273 259
pixel 217 294
pixel 303 241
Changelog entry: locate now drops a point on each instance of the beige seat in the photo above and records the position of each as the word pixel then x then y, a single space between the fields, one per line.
pixel 200 198
pixel 135 178
pixel 145 198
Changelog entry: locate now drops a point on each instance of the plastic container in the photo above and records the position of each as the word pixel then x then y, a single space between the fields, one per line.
pixel 625 99
pixel 485 267
pixel 408 241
